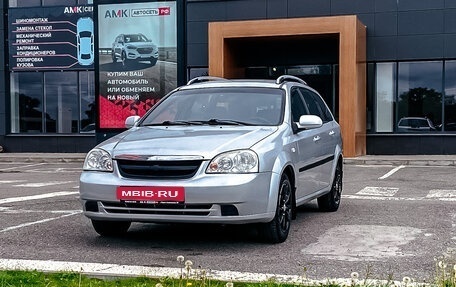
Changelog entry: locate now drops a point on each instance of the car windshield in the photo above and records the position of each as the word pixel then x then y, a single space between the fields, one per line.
pixel 219 106
pixel 85 34
pixel 135 38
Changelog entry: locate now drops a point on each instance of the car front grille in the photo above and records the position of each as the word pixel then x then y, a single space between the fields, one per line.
pixel 145 50
pixel 178 169
pixel 158 208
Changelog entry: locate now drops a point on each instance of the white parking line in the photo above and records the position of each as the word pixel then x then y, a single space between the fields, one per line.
pixel 38 222
pixel 391 172
pixel 39 196
pixel 441 193
pixel 22 166
pixel 42 184
pixel 11 181
pixel 378 191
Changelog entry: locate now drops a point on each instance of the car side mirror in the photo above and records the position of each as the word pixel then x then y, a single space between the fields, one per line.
pixel 309 122
pixel 131 121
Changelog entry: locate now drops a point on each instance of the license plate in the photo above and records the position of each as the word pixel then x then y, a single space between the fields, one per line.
pixel 151 193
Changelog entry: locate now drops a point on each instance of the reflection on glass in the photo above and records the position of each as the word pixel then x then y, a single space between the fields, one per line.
pixel 385 94
pixel 24 3
pixel 419 96
pixel 87 93
pixel 26 102
pixel 450 97
pixel 61 93
pixel 58 2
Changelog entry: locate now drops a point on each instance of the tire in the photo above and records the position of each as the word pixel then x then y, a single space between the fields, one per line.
pixel 330 202
pixel 113 56
pixel 124 58
pixel 153 61
pixel 110 228
pixel 276 231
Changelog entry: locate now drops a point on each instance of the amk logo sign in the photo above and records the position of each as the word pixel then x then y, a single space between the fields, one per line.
pixel 78 9
pixel 143 12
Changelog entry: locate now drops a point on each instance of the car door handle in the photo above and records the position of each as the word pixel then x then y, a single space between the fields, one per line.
pixel 331 133
pixel 316 138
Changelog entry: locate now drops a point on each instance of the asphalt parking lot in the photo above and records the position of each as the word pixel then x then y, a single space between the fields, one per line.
pixel 394 220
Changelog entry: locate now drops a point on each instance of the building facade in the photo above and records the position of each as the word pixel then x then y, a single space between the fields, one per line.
pixel 407 78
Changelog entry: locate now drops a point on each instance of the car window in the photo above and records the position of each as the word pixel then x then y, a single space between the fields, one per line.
pixel 316 105
pixel 253 106
pixel 298 107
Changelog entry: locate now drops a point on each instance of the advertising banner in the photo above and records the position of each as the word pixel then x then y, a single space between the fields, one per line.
pixel 51 38
pixel 137 58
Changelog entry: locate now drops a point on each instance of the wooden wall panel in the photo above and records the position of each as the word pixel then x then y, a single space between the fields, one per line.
pixel 352 65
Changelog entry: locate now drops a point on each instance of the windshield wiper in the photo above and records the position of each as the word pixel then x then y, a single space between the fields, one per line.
pixel 174 123
pixel 226 122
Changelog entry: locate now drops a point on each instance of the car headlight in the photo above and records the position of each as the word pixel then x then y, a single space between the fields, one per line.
pixel 98 160
pixel 239 161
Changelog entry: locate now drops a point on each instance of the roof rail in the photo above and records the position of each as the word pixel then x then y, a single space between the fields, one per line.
pixel 204 79
pixel 289 78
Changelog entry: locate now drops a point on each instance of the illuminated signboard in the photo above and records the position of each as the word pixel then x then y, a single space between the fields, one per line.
pixel 51 38
pixel 137 57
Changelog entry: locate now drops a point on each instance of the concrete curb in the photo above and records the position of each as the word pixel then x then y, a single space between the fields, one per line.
pixel 116 271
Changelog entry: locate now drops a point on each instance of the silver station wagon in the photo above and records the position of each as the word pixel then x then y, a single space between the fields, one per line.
pixel 218 151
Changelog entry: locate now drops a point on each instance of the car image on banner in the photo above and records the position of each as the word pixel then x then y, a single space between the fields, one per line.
pixel 137 47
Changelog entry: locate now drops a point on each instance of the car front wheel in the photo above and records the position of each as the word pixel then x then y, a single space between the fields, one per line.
pixel 330 202
pixel 153 61
pixel 110 228
pixel 276 231
pixel 124 58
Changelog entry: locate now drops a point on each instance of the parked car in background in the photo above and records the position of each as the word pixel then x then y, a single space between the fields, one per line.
pixel 137 47
pixel 415 124
pixel 218 151
pixel 85 41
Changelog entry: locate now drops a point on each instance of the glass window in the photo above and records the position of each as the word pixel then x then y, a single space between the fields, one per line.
pixel 259 106
pixel 420 94
pixel 298 107
pixel 316 105
pixel 24 3
pixel 385 83
pixel 27 102
pixel 88 109
pixel 62 107
pixel 450 97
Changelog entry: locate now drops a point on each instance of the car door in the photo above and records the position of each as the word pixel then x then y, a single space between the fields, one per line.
pixel 328 135
pixel 306 150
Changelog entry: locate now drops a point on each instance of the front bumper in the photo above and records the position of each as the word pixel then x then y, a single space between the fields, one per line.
pixel 135 55
pixel 209 198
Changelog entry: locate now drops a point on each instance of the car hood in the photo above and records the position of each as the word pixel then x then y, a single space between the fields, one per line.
pixel 141 44
pixel 205 142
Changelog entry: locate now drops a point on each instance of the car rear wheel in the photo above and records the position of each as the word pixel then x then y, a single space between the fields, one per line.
pixel 276 231
pixel 110 228
pixel 330 202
